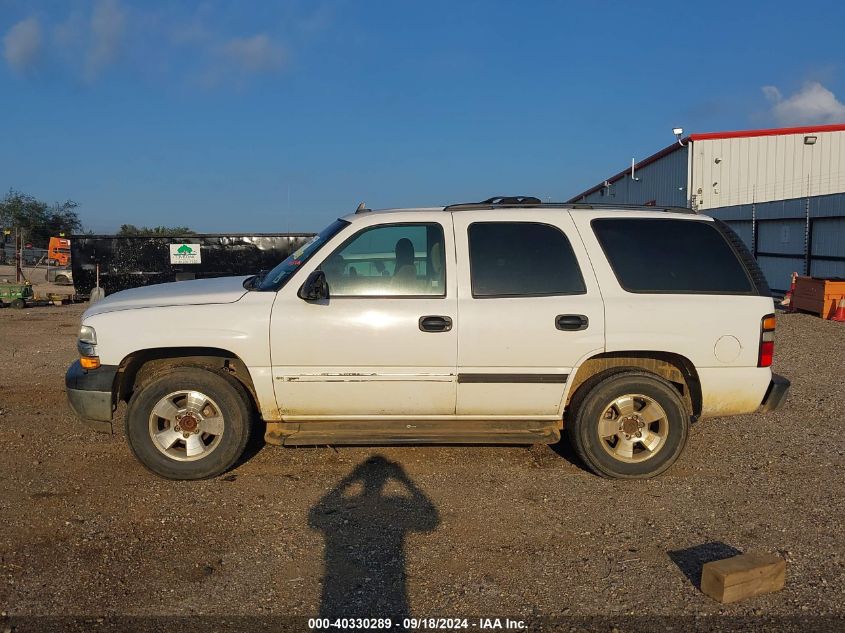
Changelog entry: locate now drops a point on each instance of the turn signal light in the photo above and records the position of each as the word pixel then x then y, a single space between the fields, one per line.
pixel 767 341
pixel 89 362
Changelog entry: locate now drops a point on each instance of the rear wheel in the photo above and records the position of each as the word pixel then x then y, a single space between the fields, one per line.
pixel 190 423
pixel 18 304
pixel 631 425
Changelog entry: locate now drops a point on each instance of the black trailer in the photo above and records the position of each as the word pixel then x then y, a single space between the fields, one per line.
pixel 130 262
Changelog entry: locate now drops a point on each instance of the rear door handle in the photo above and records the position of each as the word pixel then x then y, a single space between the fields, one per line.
pixel 435 323
pixel 571 322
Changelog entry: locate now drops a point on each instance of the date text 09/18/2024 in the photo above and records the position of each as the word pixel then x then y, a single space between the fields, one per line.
pixel 423 624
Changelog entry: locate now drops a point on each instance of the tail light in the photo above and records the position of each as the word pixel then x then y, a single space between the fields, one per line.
pixel 767 341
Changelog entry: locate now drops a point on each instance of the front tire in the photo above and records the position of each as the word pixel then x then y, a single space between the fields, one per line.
pixel 630 425
pixel 189 423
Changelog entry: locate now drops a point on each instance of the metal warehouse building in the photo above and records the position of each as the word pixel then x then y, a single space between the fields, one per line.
pixel 782 190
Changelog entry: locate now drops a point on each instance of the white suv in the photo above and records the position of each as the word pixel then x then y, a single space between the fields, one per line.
pixel 496 322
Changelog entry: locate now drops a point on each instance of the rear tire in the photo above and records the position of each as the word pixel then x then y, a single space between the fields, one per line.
pixel 189 423
pixel 630 425
pixel 18 304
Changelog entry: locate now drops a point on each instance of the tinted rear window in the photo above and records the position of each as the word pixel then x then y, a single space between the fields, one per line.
pixel 659 256
pixel 514 259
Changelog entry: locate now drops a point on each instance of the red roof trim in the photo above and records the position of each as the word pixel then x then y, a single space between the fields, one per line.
pixel 709 136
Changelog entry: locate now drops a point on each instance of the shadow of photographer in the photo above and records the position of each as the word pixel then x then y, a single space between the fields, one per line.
pixel 364 521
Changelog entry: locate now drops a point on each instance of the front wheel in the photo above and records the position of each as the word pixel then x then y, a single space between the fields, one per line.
pixel 190 423
pixel 631 425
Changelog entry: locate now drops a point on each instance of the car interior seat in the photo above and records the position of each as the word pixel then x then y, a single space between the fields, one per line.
pixel 405 272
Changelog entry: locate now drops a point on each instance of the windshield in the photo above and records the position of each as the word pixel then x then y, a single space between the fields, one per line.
pixel 277 277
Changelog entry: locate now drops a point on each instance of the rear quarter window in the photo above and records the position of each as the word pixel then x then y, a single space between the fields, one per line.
pixel 650 255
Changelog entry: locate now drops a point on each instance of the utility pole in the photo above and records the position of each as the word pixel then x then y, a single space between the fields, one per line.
pixel 18 256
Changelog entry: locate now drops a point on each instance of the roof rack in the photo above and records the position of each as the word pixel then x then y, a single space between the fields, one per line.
pixel 512 200
pixel 516 202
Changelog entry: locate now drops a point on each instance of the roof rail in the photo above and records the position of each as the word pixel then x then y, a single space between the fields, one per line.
pixel 516 202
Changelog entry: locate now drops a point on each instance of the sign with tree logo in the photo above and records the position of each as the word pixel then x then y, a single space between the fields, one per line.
pixel 185 253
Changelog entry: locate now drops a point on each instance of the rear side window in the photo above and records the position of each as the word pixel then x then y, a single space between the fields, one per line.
pixel 515 259
pixel 664 256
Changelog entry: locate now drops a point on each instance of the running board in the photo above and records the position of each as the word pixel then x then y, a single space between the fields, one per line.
pixel 321 433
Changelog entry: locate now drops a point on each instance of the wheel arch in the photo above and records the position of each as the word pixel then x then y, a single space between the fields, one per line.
pixel 674 368
pixel 141 365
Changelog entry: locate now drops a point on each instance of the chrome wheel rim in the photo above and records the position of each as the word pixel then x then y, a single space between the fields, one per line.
pixel 186 425
pixel 633 428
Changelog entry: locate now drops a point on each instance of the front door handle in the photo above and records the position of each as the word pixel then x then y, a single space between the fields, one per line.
pixel 571 322
pixel 435 323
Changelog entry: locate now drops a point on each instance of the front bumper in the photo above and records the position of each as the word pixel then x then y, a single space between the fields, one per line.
pixel 89 394
pixel 775 394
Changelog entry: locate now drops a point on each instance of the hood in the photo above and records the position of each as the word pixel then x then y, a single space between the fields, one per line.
pixel 177 293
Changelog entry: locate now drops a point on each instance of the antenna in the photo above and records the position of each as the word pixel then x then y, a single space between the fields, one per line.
pixel 362 208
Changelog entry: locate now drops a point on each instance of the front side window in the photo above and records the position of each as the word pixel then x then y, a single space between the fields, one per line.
pixel 652 255
pixel 515 259
pixel 393 260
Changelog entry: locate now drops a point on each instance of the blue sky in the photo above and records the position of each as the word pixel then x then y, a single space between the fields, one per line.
pixel 278 116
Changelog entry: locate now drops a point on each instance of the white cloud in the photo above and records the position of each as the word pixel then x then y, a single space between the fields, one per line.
pixel 318 20
pixel 86 41
pixel 22 45
pixel 772 93
pixel 254 54
pixel 812 104
pixel 108 22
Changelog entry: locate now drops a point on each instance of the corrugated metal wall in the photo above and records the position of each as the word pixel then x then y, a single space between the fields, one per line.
pixel 765 187
pixel 776 232
pixel 663 181
pixel 735 171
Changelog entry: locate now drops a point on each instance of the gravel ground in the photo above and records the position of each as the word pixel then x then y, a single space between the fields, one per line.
pixel 470 531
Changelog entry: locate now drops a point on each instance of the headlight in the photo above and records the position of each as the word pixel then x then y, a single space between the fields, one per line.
pixel 87 335
pixel 86 341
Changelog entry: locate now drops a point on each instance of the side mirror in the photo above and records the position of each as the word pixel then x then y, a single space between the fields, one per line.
pixel 315 287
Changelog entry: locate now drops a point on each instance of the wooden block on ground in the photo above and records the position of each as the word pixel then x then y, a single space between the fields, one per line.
pixel 743 576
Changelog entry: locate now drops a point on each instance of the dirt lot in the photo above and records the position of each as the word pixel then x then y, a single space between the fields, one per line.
pixel 484 531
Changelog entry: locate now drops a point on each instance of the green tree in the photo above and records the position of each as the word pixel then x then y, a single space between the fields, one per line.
pixel 38 220
pixel 130 230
